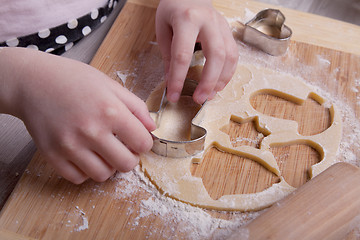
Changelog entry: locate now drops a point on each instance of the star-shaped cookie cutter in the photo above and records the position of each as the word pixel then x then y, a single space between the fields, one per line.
pixel 268 32
pixel 179 149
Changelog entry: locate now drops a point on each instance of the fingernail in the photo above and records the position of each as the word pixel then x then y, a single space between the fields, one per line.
pixel 174 97
pixel 221 86
pixel 201 98
pixel 152 124
pixel 212 95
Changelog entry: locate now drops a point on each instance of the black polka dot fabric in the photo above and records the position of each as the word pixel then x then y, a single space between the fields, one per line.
pixel 59 39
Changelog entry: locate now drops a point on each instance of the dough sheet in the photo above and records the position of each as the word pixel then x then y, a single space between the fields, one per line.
pixel 172 175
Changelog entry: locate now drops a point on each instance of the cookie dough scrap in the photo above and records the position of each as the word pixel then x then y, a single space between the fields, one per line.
pixel 172 175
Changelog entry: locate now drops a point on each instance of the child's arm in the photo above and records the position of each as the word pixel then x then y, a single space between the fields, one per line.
pixel 73 113
pixel 179 24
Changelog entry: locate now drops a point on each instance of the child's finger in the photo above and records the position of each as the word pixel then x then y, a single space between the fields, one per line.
pixel 137 107
pixel 231 59
pixel 116 153
pixel 92 165
pixel 182 48
pixel 132 132
pixel 68 170
pixel 214 51
pixel 163 37
pixel 126 120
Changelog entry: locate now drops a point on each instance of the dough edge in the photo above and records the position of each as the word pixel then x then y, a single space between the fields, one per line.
pixel 173 177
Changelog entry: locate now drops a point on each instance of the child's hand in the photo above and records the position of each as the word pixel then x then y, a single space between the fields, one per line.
pixel 84 123
pixel 179 24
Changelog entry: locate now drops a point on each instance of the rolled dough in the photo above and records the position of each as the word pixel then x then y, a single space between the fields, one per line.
pixel 173 176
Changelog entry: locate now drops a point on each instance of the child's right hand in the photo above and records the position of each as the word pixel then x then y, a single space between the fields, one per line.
pixel 84 123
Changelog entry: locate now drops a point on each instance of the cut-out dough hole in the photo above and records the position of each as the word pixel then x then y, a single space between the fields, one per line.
pixel 311 117
pixel 295 161
pixel 244 132
pixel 233 175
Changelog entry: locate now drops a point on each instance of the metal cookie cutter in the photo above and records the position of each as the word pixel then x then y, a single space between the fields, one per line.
pixel 179 149
pixel 267 32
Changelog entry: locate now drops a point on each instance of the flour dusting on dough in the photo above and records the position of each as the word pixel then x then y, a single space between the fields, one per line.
pixel 349 150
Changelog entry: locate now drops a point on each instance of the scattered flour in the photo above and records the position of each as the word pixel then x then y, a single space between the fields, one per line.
pixel 122 76
pixel 323 61
pixel 153 43
pixel 357 82
pixel 350 146
pixel 146 73
pixel 255 141
pixel 198 223
pixel 85 224
pixel 195 222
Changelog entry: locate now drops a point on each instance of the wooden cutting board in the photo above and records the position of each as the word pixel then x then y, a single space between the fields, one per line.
pixel 44 206
pixel 333 189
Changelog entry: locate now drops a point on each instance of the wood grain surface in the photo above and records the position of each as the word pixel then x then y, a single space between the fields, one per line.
pixel 44 206
pixel 7 235
pixel 333 221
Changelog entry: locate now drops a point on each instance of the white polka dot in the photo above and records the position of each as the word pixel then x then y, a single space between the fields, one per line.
pixel 68 46
pixel 12 42
pixel 86 30
pixel 72 24
pixel 110 3
pixel 32 47
pixel 44 33
pixel 94 14
pixel 103 19
pixel 115 3
pixel 61 39
pixel 49 50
